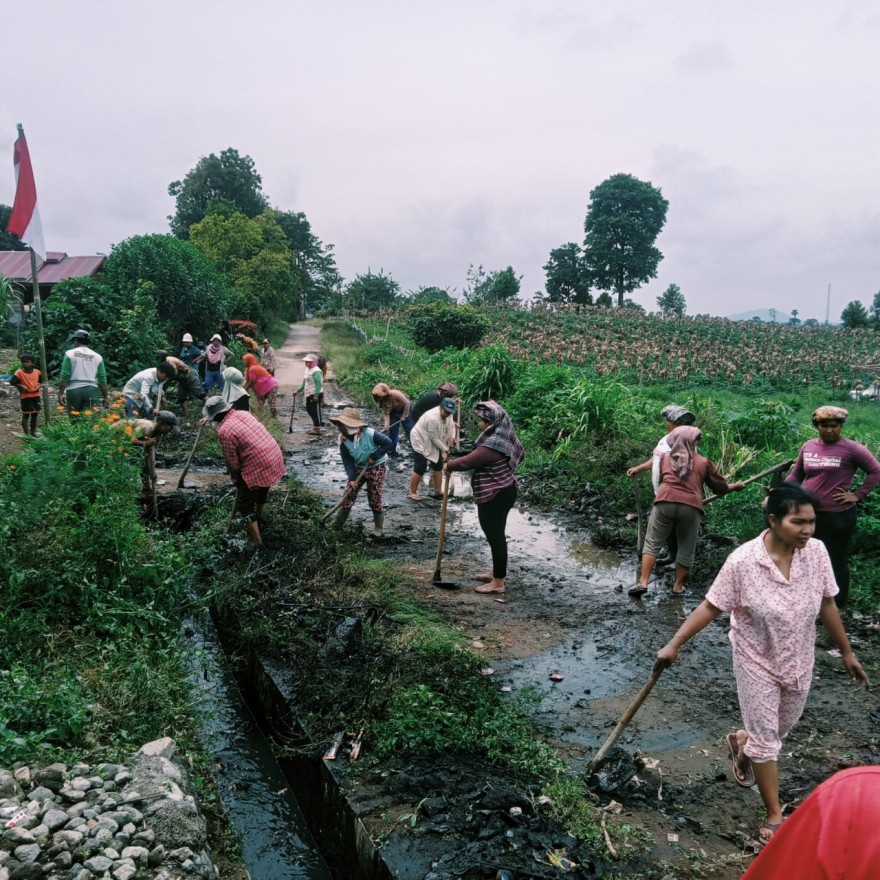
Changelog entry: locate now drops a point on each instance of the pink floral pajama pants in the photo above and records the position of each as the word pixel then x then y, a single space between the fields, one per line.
pixel 375 480
pixel 769 711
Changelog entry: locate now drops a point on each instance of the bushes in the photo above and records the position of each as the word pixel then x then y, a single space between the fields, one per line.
pixel 436 326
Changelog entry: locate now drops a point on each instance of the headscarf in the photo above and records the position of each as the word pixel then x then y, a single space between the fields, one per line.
pixel 682 448
pixel 500 434
pixel 447 389
pixel 827 413
pixel 832 834
pixel 232 385
pixel 678 415
pixel 215 352
pixel 250 360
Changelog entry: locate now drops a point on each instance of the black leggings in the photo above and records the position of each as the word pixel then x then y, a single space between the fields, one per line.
pixel 493 521
pixel 313 408
pixel 835 529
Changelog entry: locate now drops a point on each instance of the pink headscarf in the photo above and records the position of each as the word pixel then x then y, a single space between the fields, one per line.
pixel 682 442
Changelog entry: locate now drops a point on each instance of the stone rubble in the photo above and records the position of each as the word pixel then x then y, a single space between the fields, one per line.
pixel 107 822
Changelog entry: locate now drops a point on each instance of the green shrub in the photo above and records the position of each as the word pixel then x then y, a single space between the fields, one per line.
pixel 436 326
pixel 490 375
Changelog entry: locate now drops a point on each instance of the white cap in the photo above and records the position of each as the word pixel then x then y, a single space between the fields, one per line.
pixel 310 357
pixel 187 337
pixel 218 337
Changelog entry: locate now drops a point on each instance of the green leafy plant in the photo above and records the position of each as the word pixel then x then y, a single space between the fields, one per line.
pixel 436 326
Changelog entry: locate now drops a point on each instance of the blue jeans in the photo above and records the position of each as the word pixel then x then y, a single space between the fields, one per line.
pixel 407 423
pixel 212 378
pixel 135 409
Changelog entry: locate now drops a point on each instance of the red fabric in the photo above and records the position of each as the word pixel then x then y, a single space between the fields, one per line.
pixel 249 450
pixel 831 836
pixel 28 383
pixel 689 492
pixel 25 190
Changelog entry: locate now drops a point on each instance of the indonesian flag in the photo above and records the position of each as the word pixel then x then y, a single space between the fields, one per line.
pixel 25 218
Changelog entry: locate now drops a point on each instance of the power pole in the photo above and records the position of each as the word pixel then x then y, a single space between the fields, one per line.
pixel 828 305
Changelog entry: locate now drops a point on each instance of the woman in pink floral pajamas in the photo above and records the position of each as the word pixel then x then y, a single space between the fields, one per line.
pixel 774 587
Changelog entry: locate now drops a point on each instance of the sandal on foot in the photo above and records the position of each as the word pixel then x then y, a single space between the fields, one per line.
pixel 678 592
pixel 637 590
pixel 484 578
pixel 746 778
pixel 767 830
pixel 488 589
pixel 416 498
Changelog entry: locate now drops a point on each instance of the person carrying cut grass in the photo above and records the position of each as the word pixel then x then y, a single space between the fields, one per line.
pixel 27 380
pixel 678 506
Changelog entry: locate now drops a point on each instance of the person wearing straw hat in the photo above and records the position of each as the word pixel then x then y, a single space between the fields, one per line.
pixel 233 390
pixel 362 447
pixel 826 466
pixel 253 459
pixel 312 383
pixel 431 440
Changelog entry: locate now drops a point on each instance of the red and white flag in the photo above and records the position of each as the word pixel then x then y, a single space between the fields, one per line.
pixel 25 218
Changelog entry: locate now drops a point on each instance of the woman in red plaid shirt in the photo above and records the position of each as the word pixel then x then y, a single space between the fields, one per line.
pixel 252 457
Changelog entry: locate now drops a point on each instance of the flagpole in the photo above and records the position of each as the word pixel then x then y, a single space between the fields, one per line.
pixel 38 310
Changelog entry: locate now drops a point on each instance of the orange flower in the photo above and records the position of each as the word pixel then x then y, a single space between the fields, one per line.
pixel 129 429
pixel 73 412
pixel 125 454
pixel 12 467
pixel 60 408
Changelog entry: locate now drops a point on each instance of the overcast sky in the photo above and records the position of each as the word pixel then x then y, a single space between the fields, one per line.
pixel 419 138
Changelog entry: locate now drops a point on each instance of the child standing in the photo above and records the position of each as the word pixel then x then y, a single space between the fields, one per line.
pixel 27 380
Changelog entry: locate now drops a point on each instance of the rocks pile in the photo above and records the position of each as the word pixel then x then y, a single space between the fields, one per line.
pixel 110 821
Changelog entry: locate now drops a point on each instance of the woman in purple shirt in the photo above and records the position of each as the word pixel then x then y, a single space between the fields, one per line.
pixel 826 466
pixel 494 463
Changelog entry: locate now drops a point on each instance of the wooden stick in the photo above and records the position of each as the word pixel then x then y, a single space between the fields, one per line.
pixel 458 424
pixel 627 717
pixel 349 491
pixel 189 460
pixel 152 461
pixel 782 466
pixel 436 578
pixel 640 541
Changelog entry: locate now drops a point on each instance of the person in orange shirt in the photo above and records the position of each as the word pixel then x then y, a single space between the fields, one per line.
pixel 27 380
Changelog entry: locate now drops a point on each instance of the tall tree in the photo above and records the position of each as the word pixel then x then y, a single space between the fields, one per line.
pixel 372 291
pixel 794 319
pixel 671 301
pixel 624 218
pixel 228 180
pixel 567 277
pixel 9 241
pixel 425 295
pixel 855 314
pixel 875 310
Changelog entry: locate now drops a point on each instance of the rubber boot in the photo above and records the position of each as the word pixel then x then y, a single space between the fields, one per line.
pixel 341 517
pixel 378 521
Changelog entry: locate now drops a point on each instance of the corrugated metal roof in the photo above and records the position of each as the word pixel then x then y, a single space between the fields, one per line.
pixel 16 265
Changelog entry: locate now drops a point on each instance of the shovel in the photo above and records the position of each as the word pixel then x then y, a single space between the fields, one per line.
pixel 625 719
pixel 292 411
pixel 180 482
pixel 437 580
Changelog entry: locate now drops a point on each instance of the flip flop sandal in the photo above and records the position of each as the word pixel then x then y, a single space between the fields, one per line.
pixel 637 590
pixel 487 589
pixel 745 779
pixel 483 578
pixel 767 831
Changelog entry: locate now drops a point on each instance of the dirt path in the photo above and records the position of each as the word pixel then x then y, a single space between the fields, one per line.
pixel 566 612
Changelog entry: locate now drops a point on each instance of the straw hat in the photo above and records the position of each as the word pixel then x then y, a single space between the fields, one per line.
pixel 349 418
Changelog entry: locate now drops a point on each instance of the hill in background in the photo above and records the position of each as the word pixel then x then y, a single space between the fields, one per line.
pixel 764 314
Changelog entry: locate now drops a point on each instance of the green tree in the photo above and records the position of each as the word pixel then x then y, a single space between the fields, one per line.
pixel 484 288
pixel 425 295
pixel 855 315
pixel 604 299
pixel 315 262
pixel 9 241
pixel 623 220
pixel 254 253
pixel 811 322
pixel 191 293
pixel 773 314
pixel 567 278
pixel 794 320
pixel 227 181
pixel 671 301
pixel 756 319
pixel 436 325
pixel 372 292
pixel 124 323
pixel 875 310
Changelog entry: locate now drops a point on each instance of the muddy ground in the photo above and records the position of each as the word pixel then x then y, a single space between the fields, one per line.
pixel 566 612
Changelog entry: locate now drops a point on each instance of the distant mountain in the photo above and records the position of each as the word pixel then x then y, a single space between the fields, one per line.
pixel 764 314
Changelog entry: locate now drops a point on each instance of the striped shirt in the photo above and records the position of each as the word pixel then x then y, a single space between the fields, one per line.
pixel 492 472
pixel 249 450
